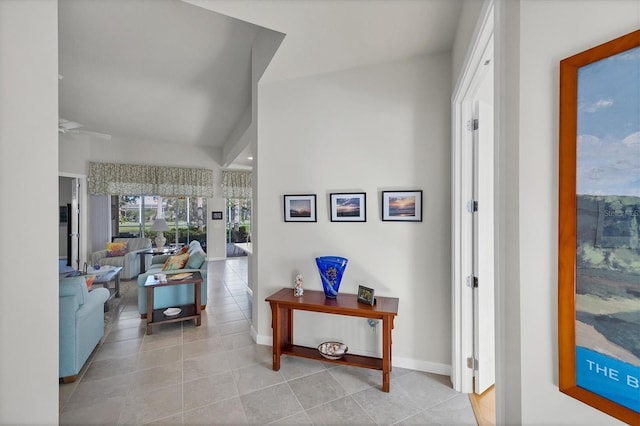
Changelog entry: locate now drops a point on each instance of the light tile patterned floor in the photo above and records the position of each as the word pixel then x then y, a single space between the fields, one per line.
pixel 215 374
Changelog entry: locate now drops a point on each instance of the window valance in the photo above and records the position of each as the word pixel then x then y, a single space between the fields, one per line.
pixel 236 184
pixel 133 179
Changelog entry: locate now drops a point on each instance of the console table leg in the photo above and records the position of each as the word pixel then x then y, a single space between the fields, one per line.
pixel 287 326
pixel 386 353
pixel 117 285
pixel 197 289
pixel 149 309
pixel 276 328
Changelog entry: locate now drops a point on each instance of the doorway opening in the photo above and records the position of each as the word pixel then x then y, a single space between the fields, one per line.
pixel 474 180
pixel 238 225
pixel 72 240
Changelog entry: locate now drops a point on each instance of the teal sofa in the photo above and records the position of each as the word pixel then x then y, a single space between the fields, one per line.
pixel 173 296
pixel 81 324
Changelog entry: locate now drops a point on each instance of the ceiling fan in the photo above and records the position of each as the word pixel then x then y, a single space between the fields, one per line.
pixel 66 126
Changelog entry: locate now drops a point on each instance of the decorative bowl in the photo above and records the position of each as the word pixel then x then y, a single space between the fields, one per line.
pixel 332 350
pixel 170 312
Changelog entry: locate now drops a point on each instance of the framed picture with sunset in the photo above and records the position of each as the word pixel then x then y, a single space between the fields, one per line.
pixel 348 207
pixel 402 206
pixel 300 208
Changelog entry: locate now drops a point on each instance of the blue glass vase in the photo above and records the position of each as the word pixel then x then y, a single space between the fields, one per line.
pixel 331 269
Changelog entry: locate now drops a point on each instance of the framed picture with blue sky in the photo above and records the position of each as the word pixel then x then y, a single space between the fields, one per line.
pixel 599 227
pixel 348 207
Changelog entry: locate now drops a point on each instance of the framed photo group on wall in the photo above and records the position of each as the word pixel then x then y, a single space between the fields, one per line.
pixel 398 206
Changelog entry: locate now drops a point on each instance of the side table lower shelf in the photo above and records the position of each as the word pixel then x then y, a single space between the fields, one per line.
pixel 347 359
pixel 188 312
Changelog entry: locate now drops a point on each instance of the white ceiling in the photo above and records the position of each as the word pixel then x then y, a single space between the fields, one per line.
pixel 168 71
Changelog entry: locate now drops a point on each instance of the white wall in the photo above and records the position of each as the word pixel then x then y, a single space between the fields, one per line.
pixel 368 129
pixel 464 33
pixel 76 151
pixel 29 212
pixel 548 32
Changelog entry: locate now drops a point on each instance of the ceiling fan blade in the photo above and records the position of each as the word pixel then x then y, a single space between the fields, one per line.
pixel 90 133
pixel 68 125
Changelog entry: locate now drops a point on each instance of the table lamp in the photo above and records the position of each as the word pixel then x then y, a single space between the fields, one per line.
pixel 160 225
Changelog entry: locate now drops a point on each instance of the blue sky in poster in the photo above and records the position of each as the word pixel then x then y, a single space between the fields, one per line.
pixel 608 146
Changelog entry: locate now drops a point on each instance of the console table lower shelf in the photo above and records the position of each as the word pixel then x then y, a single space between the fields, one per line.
pixel 283 303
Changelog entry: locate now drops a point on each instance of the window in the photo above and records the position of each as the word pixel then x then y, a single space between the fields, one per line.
pixel 184 215
pixel 238 222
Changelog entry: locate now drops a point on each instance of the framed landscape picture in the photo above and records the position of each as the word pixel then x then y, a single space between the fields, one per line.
pixel 599 228
pixel 300 208
pixel 348 207
pixel 403 206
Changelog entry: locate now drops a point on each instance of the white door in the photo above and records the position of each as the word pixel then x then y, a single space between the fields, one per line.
pixel 74 220
pixel 483 249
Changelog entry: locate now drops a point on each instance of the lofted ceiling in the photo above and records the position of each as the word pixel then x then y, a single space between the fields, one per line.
pixel 171 71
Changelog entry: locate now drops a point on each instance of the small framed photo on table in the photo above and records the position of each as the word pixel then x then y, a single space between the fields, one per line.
pixel 300 208
pixel 365 295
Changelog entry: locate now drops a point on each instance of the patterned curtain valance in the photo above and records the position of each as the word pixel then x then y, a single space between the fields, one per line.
pixel 236 184
pixel 132 179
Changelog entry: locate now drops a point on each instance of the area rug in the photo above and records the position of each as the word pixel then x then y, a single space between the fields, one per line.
pixel 128 289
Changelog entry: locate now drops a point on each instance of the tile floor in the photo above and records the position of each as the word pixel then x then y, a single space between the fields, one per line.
pixel 215 374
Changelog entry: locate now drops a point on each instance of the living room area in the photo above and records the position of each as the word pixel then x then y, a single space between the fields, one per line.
pixel 77 149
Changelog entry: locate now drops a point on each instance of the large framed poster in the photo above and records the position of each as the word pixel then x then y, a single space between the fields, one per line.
pixel 599 228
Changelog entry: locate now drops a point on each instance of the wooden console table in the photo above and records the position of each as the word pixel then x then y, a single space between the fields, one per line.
pixel 283 303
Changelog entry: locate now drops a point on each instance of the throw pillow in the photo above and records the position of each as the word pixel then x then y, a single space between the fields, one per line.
pixel 176 262
pixel 183 250
pixel 116 249
pixel 196 259
pixel 89 279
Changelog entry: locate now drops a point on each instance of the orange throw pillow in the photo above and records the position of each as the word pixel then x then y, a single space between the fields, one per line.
pixel 176 262
pixel 89 279
pixel 117 249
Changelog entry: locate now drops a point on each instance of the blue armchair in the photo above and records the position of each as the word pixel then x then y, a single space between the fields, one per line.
pixel 81 324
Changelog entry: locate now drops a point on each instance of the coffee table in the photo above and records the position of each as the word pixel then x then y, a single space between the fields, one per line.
pixel 104 276
pixel 188 312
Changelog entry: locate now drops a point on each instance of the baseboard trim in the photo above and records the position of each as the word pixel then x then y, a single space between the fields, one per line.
pixel 213 259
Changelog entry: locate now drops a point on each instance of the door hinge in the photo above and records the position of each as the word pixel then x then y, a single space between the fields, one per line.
pixel 472 125
pixel 472 363
pixel 472 281
pixel 472 206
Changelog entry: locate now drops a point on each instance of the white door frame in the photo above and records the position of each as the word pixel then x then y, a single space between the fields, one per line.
pixel 84 206
pixel 462 192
